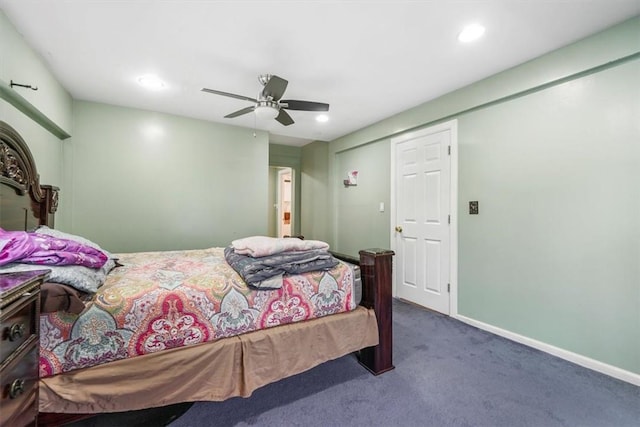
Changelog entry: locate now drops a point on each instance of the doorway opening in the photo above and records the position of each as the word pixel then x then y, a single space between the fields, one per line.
pixel 284 202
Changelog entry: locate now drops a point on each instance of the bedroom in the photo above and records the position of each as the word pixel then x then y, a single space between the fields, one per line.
pixel 556 253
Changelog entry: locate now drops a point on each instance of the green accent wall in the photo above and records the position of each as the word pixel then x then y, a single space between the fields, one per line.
pixel 555 252
pixel 150 181
pixel 272 199
pixel 313 218
pixel 357 207
pixel 550 150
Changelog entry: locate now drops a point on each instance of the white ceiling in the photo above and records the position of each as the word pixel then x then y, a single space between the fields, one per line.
pixel 367 59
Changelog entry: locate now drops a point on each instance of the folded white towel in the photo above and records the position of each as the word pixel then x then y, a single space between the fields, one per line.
pixel 259 246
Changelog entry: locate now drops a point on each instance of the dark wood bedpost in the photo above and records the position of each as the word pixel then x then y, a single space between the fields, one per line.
pixel 376 269
pixel 49 206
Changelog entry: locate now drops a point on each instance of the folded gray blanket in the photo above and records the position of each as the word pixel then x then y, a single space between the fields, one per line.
pixel 263 272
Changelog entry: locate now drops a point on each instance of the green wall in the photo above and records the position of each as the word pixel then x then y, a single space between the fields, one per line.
pixel 149 181
pixel 357 207
pixel 272 199
pixel 313 218
pixel 550 149
pixel 18 62
pixel 555 252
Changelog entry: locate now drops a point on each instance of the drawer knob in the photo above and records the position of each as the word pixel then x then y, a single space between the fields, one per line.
pixel 16 331
pixel 16 388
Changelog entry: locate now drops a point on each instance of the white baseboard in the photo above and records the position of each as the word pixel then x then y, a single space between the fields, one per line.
pixel 578 359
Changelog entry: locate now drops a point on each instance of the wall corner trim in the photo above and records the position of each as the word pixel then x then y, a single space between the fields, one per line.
pixel 14 98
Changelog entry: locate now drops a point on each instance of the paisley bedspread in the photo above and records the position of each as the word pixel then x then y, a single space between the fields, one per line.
pixel 163 300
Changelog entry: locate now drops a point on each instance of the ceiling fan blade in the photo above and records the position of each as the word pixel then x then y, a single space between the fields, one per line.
pixel 292 104
pixel 230 95
pixel 275 88
pixel 284 118
pixel 240 112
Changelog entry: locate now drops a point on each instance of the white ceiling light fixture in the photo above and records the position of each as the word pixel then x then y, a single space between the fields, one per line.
pixel 266 110
pixel 322 118
pixel 151 82
pixel 471 33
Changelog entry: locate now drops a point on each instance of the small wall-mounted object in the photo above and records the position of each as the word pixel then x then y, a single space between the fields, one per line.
pixel 473 208
pixel 12 84
pixel 352 179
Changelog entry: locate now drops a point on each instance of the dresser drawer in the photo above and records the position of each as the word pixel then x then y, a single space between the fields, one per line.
pixel 18 324
pixel 19 387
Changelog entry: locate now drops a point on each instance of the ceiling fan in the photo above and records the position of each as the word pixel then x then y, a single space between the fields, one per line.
pixel 269 104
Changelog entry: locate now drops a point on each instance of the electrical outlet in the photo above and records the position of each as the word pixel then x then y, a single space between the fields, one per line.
pixel 473 208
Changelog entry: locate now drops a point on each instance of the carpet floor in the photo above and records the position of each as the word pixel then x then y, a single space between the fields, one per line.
pixel 447 374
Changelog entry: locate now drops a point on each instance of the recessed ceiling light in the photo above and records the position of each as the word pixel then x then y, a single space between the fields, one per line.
pixel 322 118
pixel 151 82
pixel 470 33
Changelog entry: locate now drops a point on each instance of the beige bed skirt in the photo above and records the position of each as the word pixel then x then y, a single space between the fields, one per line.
pixel 214 371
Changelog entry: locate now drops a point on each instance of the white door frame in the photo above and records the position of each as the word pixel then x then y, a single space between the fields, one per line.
pixel 452 126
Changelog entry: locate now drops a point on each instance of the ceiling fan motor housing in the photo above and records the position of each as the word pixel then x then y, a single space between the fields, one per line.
pixel 267 103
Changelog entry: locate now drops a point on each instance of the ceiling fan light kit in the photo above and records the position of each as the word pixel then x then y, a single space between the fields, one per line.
pixel 266 110
pixel 268 104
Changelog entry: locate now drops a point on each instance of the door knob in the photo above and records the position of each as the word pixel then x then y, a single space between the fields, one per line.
pixel 398 229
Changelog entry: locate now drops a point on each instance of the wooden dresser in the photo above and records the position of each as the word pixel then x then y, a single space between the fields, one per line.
pixel 19 344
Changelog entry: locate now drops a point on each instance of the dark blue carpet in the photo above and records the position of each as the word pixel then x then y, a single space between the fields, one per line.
pixel 447 374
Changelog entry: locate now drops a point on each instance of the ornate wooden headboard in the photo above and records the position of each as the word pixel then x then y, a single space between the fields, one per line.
pixel 24 203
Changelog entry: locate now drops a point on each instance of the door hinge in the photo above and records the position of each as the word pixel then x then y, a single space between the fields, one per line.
pixel 449 149
pixel 448 219
pixel 448 287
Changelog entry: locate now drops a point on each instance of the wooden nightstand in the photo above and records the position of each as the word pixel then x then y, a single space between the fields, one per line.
pixel 19 345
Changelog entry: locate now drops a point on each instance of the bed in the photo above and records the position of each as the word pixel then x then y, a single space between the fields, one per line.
pixel 206 365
